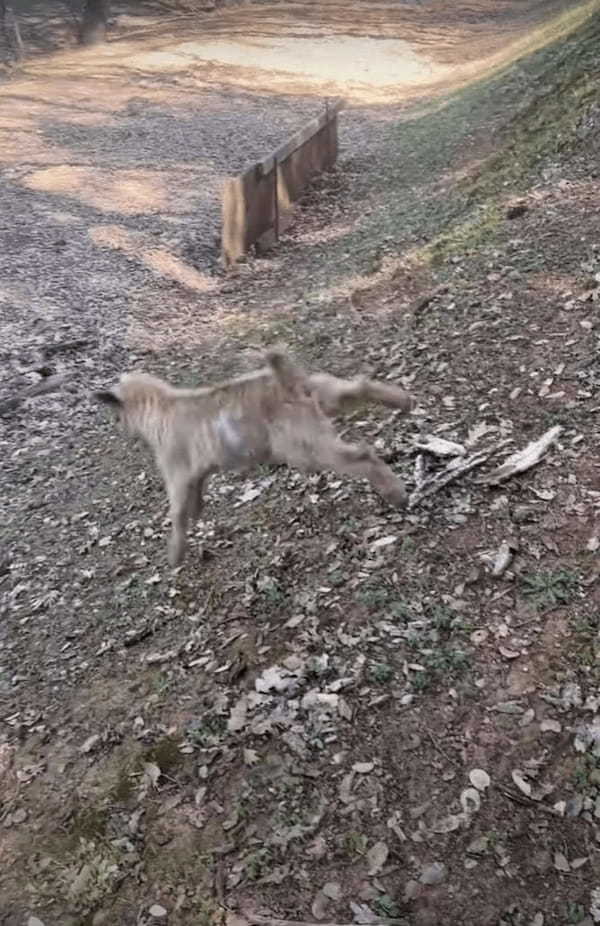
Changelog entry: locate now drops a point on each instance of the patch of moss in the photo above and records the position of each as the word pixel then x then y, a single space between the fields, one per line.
pixel 88 823
pixel 165 753
pixel 565 83
pixel 465 236
pixel 123 788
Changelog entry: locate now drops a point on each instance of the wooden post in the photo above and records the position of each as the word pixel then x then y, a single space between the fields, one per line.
pixel 276 198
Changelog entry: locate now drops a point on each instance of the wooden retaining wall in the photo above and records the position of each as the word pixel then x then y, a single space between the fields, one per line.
pixel 258 204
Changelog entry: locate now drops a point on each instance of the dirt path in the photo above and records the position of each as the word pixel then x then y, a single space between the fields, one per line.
pixel 142 765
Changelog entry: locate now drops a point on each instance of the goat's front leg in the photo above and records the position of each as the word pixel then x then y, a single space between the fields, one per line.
pixel 182 492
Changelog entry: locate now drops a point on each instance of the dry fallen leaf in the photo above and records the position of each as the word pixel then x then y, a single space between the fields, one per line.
pixel 363 768
pixel 520 782
pixel 320 906
pixel 448 824
pixel 470 801
pixel 433 873
pixel 346 788
pixel 479 779
pixel 377 857
pixel 237 715
pixel 550 726
pixel 440 447
pixel 332 890
pixel 561 863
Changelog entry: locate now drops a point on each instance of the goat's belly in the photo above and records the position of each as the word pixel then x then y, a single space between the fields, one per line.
pixel 242 446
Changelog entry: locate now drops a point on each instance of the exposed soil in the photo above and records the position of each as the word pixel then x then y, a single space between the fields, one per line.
pixel 298 721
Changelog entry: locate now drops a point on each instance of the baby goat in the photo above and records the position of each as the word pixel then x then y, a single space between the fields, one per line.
pixel 278 414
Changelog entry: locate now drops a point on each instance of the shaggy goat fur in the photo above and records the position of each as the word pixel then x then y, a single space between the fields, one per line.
pixel 278 414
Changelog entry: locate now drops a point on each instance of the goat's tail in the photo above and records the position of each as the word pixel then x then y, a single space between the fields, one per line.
pixel 287 373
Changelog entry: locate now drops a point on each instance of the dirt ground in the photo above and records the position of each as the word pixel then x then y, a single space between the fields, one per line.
pixel 332 712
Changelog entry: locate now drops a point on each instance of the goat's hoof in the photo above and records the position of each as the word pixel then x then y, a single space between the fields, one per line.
pixel 398 497
pixel 175 553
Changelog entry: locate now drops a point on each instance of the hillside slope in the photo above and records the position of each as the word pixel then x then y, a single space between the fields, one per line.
pixel 334 712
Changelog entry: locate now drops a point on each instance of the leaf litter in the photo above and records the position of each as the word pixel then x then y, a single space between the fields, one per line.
pixel 343 744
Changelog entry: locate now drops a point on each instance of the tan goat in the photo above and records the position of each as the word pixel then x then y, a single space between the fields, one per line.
pixel 278 414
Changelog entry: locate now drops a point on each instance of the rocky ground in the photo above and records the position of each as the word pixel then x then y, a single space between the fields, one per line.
pixel 332 712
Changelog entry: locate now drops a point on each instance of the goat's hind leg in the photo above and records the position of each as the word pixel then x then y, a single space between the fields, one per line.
pixel 197 497
pixel 361 460
pixel 322 449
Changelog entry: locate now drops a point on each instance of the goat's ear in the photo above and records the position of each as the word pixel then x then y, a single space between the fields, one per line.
pixel 107 397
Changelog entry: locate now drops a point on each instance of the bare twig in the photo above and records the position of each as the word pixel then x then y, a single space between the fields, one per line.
pixel 437 746
pixel 452 473
pixel 257 920
pixel 49 384
pixel 524 459
pixel 61 347
pixel 525 801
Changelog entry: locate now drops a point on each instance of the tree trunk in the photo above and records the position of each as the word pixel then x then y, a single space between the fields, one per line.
pixel 95 21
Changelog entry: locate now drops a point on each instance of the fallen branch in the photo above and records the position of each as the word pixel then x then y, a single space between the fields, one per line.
pixel 457 468
pixel 524 459
pixel 526 801
pixel 49 384
pixel 256 920
pixel 62 347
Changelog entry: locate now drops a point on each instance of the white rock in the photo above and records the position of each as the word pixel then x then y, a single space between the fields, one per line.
pixel 157 911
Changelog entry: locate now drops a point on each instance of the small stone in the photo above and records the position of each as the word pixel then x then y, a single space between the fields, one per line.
pixel 434 873
pixel 157 911
pixel 34 921
pixel 574 805
pixel 19 816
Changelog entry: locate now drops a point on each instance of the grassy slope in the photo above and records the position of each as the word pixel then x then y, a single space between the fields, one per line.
pixel 495 131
